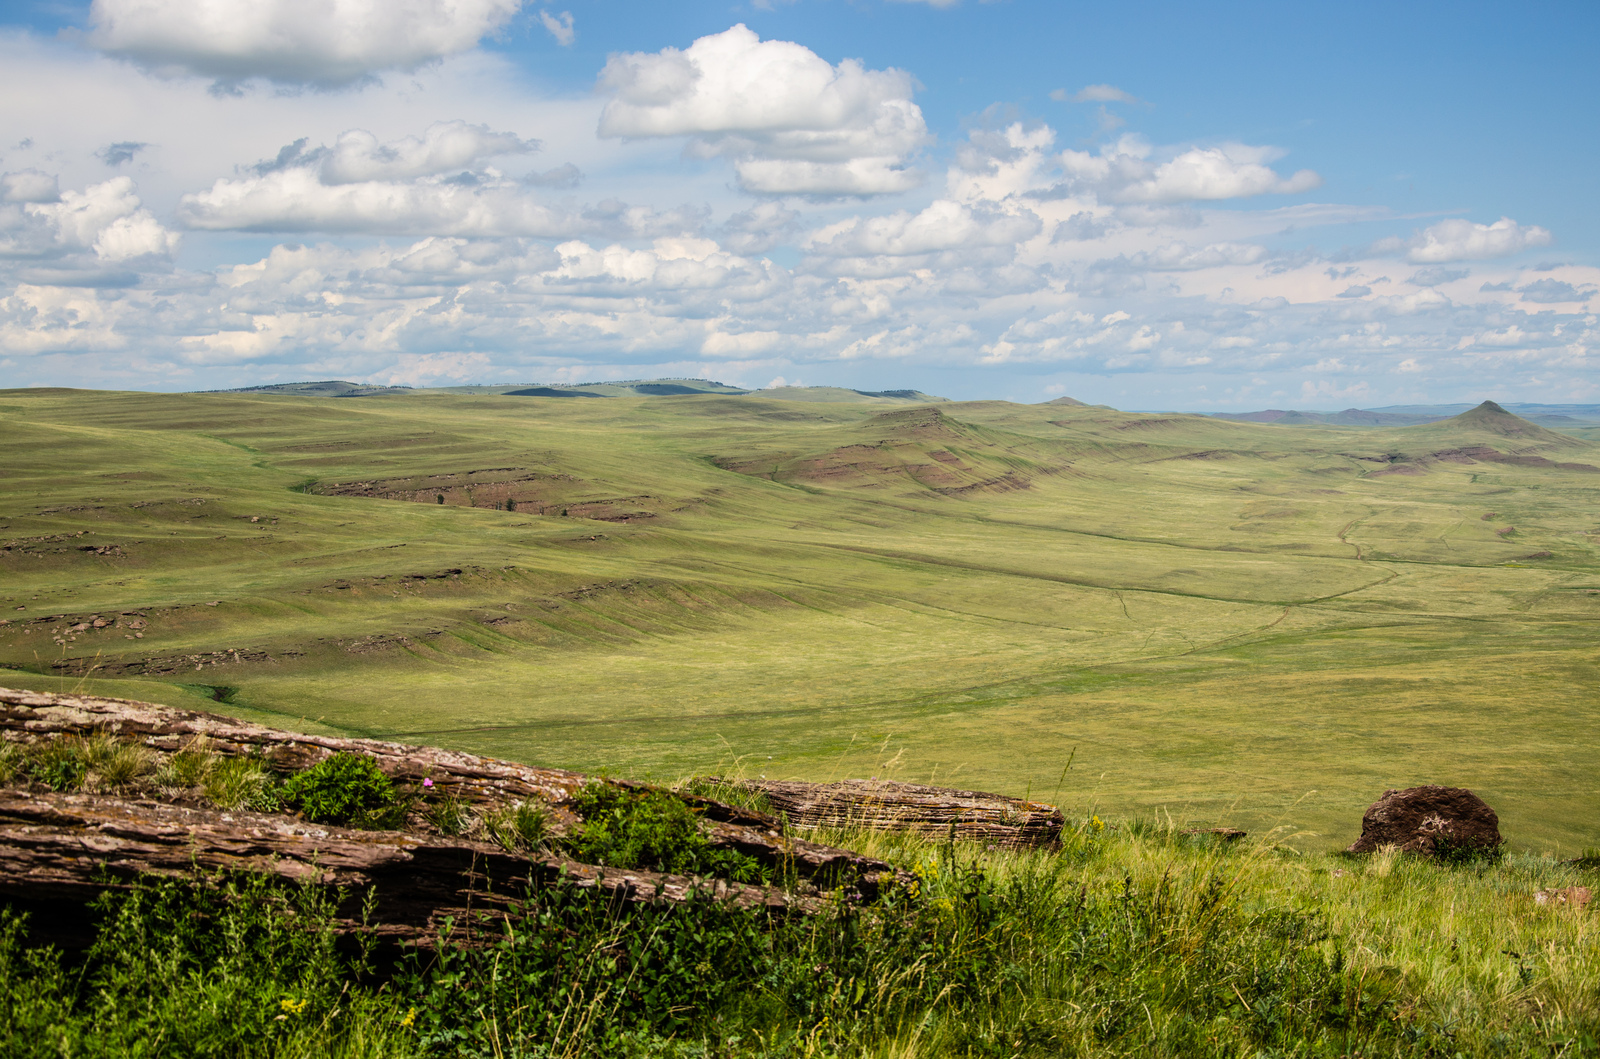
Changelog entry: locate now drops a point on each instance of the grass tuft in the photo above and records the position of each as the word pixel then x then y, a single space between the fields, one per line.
pixel 523 827
pixel 241 783
pixel 187 767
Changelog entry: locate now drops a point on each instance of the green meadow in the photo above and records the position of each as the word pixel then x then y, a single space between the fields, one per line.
pixel 1215 622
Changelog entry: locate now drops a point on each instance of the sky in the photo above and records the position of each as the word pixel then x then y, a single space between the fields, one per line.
pixel 1149 204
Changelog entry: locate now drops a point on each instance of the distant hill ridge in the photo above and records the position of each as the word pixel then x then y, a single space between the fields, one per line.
pixel 674 387
pixel 1416 415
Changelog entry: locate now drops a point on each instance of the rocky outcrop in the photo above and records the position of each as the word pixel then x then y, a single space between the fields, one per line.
pixel 58 851
pixel 28 715
pixel 1430 821
pixel 882 805
pixel 65 847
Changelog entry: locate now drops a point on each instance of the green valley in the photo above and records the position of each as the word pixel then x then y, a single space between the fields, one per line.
pixel 1256 624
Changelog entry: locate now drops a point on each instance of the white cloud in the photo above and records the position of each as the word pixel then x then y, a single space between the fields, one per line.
pixel 325 43
pixel 1461 240
pixel 295 200
pixel 357 156
pixel 759 228
pixel 1094 94
pixel 792 123
pixel 30 185
pixel 104 219
pixel 1322 390
pixel 1181 257
pixel 433 184
pixel 944 225
pixel 1550 291
pixel 1123 172
pixel 560 27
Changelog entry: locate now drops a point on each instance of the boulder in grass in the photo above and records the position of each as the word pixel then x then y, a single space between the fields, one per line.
pixel 1575 896
pixel 1430 821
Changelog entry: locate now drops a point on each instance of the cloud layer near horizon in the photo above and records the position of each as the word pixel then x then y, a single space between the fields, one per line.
pixel 740 208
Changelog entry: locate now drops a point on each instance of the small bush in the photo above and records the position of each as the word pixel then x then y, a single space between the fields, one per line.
pixel 654 830
pixel 345 789
pixel 59 764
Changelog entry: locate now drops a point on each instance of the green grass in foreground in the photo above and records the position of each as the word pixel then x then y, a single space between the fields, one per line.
pixel 1129 941
pixel 1243 623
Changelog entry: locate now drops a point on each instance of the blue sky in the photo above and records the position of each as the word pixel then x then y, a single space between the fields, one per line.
pixel 1150 205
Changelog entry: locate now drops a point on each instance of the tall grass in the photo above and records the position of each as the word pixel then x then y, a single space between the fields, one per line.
pixel 1127 941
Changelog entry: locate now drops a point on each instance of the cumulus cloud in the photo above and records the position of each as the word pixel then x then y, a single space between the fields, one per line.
pixel 326 44
pixel 1181 257
pixel 562 176
pixel 792 123
pixel 1554 292
pixel 433 184
pixel 1125 172
pixel 29 185
pixel 559 27
pixel 944 225
pixel 1433 277
pixel 101 236
pixel 295 200
pixel 357 156
pixel 759 228
pixel 1462 240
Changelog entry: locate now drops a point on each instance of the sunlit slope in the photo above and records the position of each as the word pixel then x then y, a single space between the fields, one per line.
pixel 1213 612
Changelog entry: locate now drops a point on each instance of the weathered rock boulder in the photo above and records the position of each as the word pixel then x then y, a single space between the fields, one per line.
pixel 1429 821
pixel 884 805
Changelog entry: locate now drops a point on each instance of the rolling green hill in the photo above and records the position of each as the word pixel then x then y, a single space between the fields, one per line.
pixel 1224 619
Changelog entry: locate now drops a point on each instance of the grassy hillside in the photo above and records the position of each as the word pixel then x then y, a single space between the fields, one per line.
pixel 1235 621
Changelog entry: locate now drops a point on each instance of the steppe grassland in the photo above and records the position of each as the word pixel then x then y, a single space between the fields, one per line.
pixel 1227 621
pixel 1475 954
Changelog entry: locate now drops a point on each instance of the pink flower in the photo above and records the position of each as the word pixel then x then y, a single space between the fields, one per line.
pixel 427 783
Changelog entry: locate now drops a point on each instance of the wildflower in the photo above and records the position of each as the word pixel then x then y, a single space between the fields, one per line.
pixel 427 783
pixel 1095 822
pixel 292 1007
pixel 410 1017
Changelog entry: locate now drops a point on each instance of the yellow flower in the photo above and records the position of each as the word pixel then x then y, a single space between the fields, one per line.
pixel 1094 822
pixel 411 1016
pixel 292 1007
